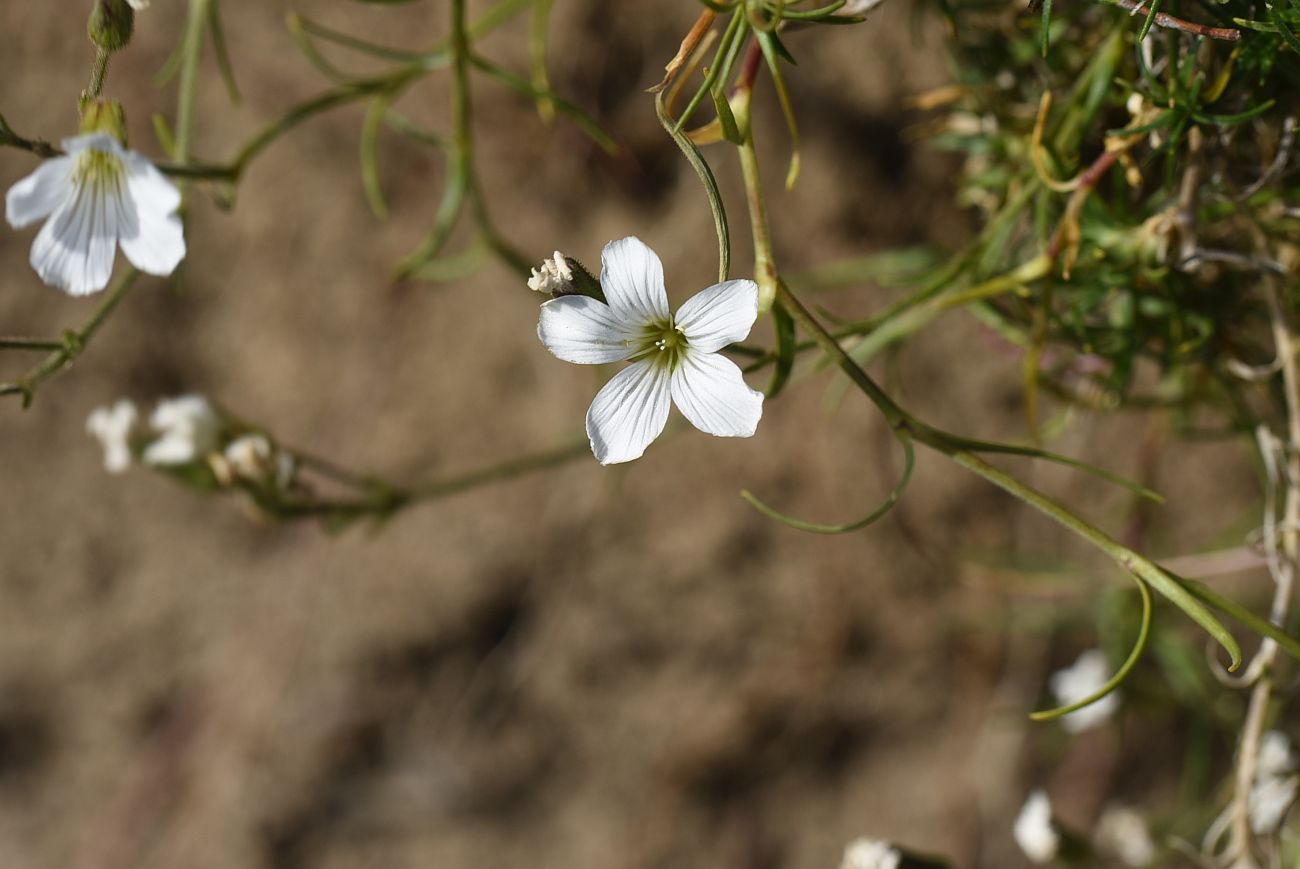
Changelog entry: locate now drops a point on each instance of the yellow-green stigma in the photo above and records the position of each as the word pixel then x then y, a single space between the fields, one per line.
pixel 99 170
pixel 664 344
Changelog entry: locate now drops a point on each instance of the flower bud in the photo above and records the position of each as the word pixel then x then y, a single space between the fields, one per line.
pixel 564 276
pixel 111 23
pixel 104 116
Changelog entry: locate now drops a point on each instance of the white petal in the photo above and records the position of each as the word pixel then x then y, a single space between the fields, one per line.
pixel 1033 830
pixel 105 142
pixel 584 330
pixel 155 241
pixel 719 315
pixel 74 249
pixel 40 193
pixel 709 391
pixel 113 427
pixel 628 413
pixel 633 281
pixel 170 449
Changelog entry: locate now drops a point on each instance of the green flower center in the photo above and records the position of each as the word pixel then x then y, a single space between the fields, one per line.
pixel 99 170
pixel 663 344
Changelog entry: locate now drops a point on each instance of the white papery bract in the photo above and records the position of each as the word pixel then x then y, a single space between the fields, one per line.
pixel 1085 677
pixel 97 196
pixel 189 430
pixel 113 426
pixel 1034 832
pixel 675 359
pixel 870 854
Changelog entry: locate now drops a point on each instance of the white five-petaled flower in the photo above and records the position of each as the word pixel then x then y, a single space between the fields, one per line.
pixel 1034 832
pixel 675 359
pixel 113 427
pixel 1083 678
pixel 189 429
pixel 98 195
pixel 870 854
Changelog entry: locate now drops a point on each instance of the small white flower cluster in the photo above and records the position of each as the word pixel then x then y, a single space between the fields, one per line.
pixel 182 431
pixel 1120 832
pixel 675 358
pixel 1276 784
pixel 866 853
pixel 1082 679
pixel 554 277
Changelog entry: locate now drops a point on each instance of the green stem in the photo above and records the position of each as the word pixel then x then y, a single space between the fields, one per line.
pixel 98 72
pixel 764 265
pixel 74 343
pixel 954 447
pixel 195 23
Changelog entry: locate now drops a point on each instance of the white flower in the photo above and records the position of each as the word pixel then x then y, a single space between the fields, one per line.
pixel 97 196
pixel 189 428
pixel 113 427
pixel 1033 830
pixel 858 7
pixel 1275 758
pixel 1270 799
pixel 554 275
pixel 1122 832
pixel 1082 679
pixel 870 854
pixel 676 357
pixel 138 4
pixel 251 457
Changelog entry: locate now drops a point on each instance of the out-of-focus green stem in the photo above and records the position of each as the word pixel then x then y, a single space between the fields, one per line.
pixel 73 343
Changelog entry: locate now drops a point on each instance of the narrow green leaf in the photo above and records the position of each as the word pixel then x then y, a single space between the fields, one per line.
pixel 818 528
pixel 701 167
pixel 783 325
pixel 730 131
pixel 224 66
pixel 585 122
pixel 1139 646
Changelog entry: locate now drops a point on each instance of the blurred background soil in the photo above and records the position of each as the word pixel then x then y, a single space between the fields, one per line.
pixel 587 667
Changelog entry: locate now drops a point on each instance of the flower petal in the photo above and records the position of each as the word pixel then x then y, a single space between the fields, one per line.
pixel 709 391
pixel 40 193
pixel 719 315
pixel 74 249
pixel 628 413
pixel 155 241
pixel 583 330
pixel 633 281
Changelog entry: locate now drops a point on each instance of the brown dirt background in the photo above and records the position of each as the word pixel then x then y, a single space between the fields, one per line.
pixel 583 668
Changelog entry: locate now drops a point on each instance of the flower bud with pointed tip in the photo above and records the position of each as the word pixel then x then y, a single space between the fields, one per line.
pixel 111 23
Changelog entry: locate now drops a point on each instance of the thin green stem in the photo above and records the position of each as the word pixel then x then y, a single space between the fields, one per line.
pixel 73 344
pixel 98 72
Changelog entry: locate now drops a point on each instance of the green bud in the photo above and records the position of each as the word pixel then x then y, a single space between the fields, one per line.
pixel 104 116
pixel 111 23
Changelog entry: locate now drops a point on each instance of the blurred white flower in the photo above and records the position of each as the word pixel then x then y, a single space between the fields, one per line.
pixel 676 358
pixel 554 276
pixel 870 854
pixel 189 429
pixel 1083 678
pixel 113 427
pixel 858 7
pixel 1033 830
pixel 1270 799
pixel 1123 832
pixel 1275 756
pixel 138 4
pixel 98 195
pixel 1275 789
pixel 251 457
